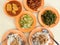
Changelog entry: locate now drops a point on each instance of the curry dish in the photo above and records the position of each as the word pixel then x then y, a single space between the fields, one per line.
pixel 13 8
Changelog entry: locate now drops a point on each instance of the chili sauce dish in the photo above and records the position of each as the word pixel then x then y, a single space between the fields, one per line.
pixel 14 37
pixel 37 37
pixel 13 8
pixel 48 17
pixel 25 22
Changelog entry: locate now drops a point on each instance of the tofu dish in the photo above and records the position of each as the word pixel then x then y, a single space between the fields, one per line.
pixel 15 39
pixel 40 38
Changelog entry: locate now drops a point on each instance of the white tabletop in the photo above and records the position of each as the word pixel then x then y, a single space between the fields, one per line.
pixel 7 23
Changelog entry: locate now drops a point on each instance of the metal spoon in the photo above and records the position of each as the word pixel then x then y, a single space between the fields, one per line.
pixel 46 31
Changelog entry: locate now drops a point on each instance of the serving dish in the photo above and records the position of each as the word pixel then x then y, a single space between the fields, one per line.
pixel 51 17
pixel 12 8
pixel 13 32
pixel 27 24
pixel 39 29
pixel 33 5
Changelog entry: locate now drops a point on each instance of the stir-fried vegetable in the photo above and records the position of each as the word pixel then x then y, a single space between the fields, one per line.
pixel 26 21
pixel 48 17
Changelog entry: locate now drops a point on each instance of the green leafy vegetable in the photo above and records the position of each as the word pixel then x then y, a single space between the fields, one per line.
pixel 26 21
pixel 48 17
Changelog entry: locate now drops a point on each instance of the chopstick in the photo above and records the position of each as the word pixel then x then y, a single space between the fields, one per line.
pixel 54 40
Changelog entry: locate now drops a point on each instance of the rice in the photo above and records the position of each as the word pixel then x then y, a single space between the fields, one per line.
pixel 36 35
pixel 12 37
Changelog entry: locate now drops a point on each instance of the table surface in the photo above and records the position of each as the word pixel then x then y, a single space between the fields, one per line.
pixel 7 23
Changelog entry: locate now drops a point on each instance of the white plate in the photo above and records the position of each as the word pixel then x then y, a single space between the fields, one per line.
pixel 7 23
